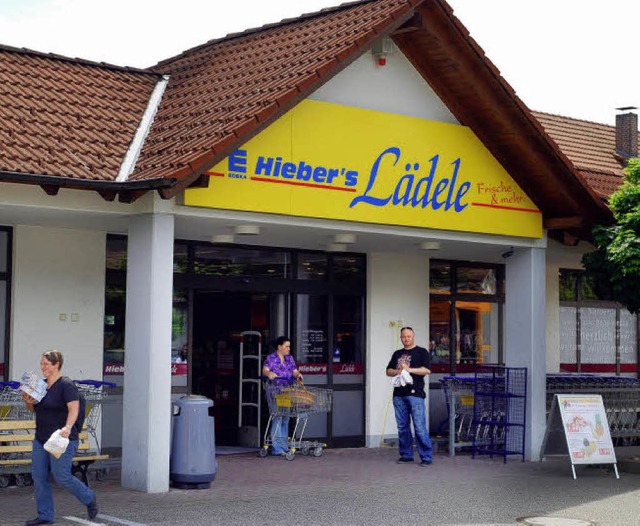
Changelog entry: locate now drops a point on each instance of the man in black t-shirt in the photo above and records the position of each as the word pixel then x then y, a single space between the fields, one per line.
pixel 408 399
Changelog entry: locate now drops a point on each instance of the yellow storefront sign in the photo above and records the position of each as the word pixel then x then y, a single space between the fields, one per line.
pixel 336 162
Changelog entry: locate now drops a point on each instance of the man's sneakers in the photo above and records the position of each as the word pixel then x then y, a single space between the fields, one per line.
pixel 92 509
pixel 404 460
pixel 36 521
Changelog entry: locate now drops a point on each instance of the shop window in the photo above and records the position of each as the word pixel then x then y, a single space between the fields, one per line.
pixel 5 277
pixel 180 258
pixel 348 340
pixel 114 326
pixel 596 335
pixel 476 280
pixel 567 282
pixel 311 342
pixel 241 263
pixel 116 253
pixel 439 331
pixel 464 315
pixel 349 268
pixel 440 278
pixel 312 266
pixel 179 338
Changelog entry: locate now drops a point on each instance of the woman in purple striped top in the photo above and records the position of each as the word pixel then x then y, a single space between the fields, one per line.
pixel 280 366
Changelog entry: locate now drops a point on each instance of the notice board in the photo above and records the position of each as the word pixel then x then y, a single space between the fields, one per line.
pixel 577 425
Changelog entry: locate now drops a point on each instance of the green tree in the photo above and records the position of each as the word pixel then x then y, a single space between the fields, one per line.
pixel 615 264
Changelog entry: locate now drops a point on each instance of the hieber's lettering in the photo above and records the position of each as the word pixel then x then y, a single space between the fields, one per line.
pixel 301 171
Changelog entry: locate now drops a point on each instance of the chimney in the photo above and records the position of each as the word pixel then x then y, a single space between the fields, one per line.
pixel 627 132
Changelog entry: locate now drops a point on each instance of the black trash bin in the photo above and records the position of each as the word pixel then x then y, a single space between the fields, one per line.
pixel 193 451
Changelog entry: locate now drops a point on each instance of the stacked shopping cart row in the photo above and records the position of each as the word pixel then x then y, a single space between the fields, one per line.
pixel 459 394
pixel 620 395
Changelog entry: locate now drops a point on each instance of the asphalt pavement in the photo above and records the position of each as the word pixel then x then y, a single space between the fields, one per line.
pixel 361 487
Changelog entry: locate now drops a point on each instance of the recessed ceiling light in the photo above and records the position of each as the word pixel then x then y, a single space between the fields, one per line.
pixel 347 239
pixel 247 230
pixel 222 238
pixel 430 245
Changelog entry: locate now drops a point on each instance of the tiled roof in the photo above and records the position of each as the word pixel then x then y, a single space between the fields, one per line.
pixel 75 119
pixel 590 146
pixel 235 86
pixel 67 118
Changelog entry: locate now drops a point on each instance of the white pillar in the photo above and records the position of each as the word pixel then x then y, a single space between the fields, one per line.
pixel 146 430
pixel 525 336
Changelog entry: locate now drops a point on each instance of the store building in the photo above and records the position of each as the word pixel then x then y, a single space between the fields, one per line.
pixel 332 177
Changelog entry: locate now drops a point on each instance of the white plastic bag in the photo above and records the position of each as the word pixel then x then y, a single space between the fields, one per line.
pixel 57 444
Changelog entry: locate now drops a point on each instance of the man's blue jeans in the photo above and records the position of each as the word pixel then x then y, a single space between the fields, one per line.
pixel 279 434
pixel 43 462
pixel 409 408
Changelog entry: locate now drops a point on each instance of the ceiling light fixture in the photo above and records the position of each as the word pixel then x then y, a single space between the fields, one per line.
pixel 430 245
pixel 222 238
pixel 247 230
pixel 347 239
pixel 336 247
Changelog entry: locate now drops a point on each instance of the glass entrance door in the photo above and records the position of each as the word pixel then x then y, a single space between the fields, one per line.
pixel 219 321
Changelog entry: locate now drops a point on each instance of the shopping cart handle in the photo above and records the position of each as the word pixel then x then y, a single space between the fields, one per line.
pixel 96 383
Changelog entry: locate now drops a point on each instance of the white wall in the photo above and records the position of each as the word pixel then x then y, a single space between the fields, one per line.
pixel 394 88
pixel 558 256
pixel 398 294
pixel 58 273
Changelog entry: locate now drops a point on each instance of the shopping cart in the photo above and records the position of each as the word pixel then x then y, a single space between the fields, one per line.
pixel 459 426
pixel 94 392
pixel 12 406
pixel 295 401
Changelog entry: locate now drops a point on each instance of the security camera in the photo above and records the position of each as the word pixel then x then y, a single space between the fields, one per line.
pixel 508 253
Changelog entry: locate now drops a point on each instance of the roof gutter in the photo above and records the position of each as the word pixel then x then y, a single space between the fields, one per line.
pixel 85 184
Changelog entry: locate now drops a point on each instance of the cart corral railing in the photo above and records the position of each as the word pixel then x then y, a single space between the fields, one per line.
pixel 621 397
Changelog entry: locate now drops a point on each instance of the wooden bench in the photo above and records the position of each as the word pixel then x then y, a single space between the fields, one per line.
pixel 16 444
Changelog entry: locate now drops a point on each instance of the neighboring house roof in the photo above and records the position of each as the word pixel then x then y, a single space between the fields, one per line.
pixel 591 147
pixel 224 92
pixel 66 122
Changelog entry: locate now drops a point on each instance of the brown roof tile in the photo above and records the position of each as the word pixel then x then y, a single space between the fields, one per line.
pixel 224 84
pixel 590 146
pixel 67 117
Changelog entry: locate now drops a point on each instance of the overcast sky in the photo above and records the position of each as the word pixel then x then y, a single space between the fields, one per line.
pixel 571 57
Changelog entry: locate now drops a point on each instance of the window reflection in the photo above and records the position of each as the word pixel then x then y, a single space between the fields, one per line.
pixel 439 330
pixel 312 266
pixel 440 278
pixel 239 262
pixel 349 268
pixel 476 280
pixel 311 335
pixel 348 349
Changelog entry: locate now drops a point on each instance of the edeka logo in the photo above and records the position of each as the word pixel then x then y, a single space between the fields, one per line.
pixel 238 164
pixel 422 193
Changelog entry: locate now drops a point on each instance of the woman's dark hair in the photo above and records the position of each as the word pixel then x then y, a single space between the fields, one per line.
pixel 54 357
pixel 281 340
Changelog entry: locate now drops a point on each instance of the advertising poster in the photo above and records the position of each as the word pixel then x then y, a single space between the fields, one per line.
pixel 586 429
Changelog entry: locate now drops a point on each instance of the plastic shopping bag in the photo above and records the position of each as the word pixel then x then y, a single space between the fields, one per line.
pixel 57 444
